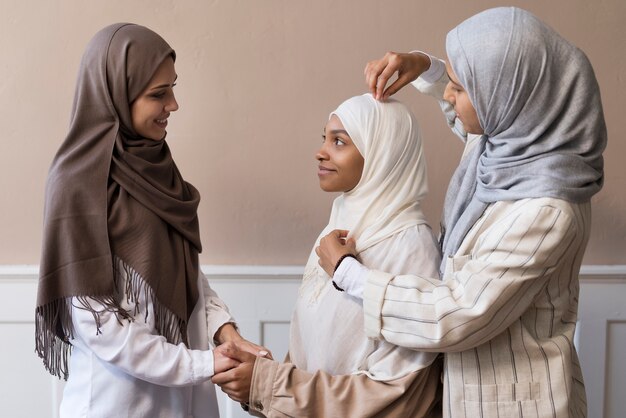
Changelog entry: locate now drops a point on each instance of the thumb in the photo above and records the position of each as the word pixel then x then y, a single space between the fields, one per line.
pixel 341 233
pixel 240 355
pixel 230 350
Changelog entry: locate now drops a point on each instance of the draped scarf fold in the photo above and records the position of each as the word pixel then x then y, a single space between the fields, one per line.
pixel 538 102
pixel 387 198
pixel 117 210
pixel 386 201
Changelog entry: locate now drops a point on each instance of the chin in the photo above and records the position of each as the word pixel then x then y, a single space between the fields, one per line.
pixel 328 188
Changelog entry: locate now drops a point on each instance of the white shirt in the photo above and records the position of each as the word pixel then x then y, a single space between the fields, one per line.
pixel 131 371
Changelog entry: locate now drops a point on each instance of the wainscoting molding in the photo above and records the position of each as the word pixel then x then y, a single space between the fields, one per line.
pixel 261 299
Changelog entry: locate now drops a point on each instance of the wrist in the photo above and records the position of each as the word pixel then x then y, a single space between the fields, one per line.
pixel 337 264
pixel 340 259
pixel 351 277
pixel 227 332
pixel 423 60
pixel 431 68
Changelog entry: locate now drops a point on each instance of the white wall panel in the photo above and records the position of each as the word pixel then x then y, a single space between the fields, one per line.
pixel 615 399
pixel 600 339
pixel 262 304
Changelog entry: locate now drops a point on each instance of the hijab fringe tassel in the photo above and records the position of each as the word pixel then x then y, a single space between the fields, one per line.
pixel 53 321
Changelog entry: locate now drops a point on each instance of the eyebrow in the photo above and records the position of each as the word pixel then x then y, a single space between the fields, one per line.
pixel 339 131
pixel 452 81
pixel 164 85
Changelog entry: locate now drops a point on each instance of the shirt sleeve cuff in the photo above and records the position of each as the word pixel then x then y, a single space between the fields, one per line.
pixel 263 376
pixel 373 299
pixel 436 69
pixel 350 276
pixel 203 365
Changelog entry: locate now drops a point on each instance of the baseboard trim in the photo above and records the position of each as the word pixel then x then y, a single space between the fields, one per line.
pixel 587 272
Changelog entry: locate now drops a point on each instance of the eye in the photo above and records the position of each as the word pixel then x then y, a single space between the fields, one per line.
pixel 339 142
pixel 158 95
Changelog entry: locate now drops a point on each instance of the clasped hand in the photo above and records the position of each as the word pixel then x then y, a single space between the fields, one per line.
pixel 233 365
pixel 332 247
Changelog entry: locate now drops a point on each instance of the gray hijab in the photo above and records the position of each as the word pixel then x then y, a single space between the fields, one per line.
pixel 538 102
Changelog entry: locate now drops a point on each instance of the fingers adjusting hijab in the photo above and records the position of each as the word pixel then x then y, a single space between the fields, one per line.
pixel 387 198
pixel 384 203
pixel 538 102
pixel 117 210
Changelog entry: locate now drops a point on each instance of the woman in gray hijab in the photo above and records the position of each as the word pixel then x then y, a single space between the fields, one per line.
pixel 516 219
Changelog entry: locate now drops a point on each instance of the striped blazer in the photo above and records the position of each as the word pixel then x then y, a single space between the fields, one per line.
pixel 504 314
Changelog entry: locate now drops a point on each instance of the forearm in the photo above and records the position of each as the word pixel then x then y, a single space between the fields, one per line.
pixel 483 292
pixel 280 389
pixel 433 83
pixel 133 348
pixel 227 332
pixel 220 323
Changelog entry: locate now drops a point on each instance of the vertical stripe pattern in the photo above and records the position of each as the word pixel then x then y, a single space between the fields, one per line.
pixel 504 313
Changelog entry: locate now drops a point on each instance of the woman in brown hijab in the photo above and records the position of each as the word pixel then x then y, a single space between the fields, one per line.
pixel 120 286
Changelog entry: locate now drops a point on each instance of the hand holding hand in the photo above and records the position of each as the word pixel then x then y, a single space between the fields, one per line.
pixel 408 66
pixel 228 333
pixel 222 361
pixel 252 348
pixel 332 247
pixel 236 382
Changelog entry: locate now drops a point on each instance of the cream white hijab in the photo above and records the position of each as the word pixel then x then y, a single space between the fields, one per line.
pixel 387 198
pixel 327 327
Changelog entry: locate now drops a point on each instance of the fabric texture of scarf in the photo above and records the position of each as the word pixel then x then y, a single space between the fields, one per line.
pixel 538 102
pixel 385 202
pixel 114 196
pixel 387 198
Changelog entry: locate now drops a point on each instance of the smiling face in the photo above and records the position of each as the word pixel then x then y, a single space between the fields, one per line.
pixel 149 112
pixel 456 95
pixel 340 162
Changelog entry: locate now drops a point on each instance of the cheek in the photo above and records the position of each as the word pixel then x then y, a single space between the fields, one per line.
pixel 465 107
pixel 137 113
pixel 356 168
pixel 144 111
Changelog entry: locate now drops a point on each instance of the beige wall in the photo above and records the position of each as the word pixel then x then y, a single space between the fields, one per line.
pixel 257 79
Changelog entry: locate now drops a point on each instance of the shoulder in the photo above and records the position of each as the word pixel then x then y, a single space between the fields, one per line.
pixel 537 207
pixel 416 236
pixel 412 249
pixel 531 219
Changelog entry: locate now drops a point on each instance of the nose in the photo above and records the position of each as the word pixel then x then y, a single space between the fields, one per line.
pixel 172 104
pixel 448 95
pixel 322 154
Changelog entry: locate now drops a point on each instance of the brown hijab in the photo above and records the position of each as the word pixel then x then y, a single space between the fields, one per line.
pixel 115 199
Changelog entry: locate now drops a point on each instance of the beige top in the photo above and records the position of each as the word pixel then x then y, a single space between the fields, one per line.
pixel 336 371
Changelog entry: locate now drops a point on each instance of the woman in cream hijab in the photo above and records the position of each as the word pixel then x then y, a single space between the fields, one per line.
pixel 120 285
pixel 372 152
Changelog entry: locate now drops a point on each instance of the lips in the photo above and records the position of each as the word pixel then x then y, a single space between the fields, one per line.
pixel 322 171
pixel 162 123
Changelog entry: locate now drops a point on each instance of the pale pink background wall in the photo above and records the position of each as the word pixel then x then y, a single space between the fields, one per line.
pixel 257 79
